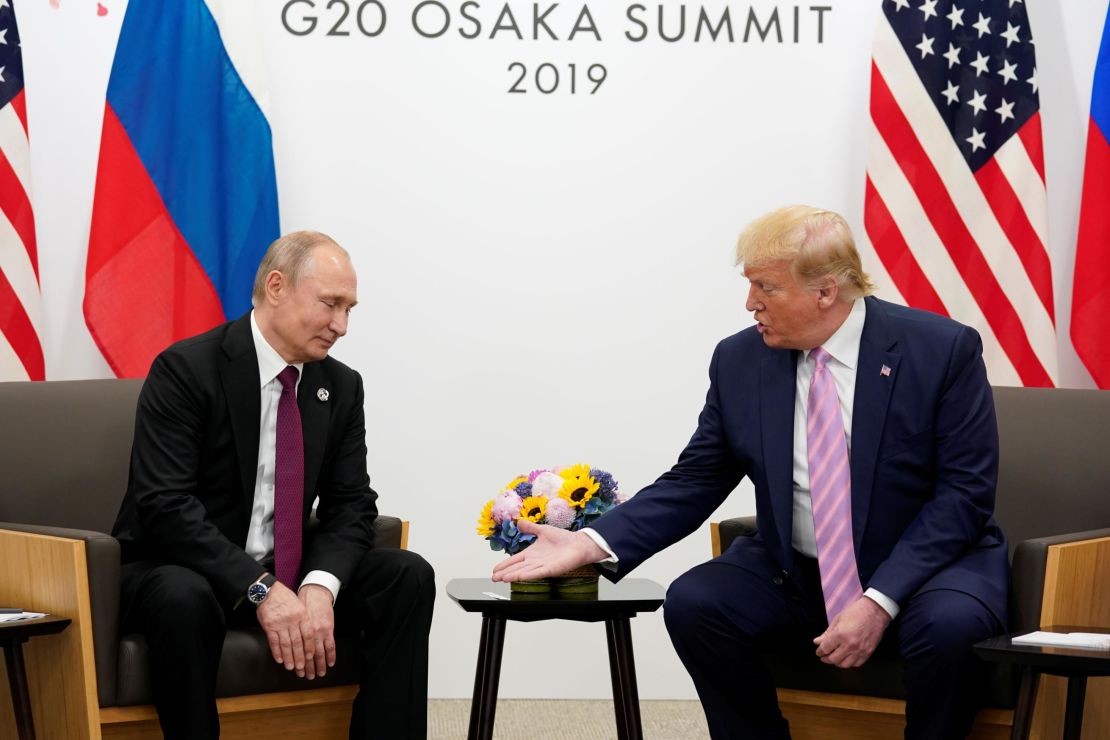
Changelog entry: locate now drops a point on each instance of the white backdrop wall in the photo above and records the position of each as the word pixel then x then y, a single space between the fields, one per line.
pixel 542 277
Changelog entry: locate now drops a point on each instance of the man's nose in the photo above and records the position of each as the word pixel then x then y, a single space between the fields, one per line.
pixel 753 304
pixel 339 322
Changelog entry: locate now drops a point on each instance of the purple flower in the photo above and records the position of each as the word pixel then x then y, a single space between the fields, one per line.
pixel 506 506
pixel 524 490
pixel 536 474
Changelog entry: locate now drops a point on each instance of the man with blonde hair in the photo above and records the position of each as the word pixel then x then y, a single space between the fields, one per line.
pixel 868 431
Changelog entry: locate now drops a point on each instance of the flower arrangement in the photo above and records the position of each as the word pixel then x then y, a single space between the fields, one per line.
pixel 568 498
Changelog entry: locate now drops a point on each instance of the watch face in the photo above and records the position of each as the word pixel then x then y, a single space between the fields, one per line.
pixel 257 593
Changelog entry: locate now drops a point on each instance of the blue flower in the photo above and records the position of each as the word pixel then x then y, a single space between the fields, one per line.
pixel 607 487
pixel 524 490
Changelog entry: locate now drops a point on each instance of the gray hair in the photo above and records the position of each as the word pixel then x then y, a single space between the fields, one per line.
pixel 289 255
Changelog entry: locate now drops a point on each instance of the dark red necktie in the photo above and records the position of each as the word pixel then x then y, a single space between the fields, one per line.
pixel 288 482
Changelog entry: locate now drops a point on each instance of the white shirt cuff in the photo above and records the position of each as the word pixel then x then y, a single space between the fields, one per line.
pixel 888 604
pixel 594 535
pixel 325 579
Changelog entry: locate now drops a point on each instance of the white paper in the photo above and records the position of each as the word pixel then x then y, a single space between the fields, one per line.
pixel 1086 640
pixel 20 616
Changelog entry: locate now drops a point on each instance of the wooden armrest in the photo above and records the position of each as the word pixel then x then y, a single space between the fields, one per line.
pixel 45 573
pixel 1076 573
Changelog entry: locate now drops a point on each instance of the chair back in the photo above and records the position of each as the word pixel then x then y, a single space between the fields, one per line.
pixel 1054 466
pixel 65 449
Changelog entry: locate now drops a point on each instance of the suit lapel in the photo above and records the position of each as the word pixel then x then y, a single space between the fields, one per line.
pixel 876 372
pixel 776 409
pixel 315 402
pixel 239 379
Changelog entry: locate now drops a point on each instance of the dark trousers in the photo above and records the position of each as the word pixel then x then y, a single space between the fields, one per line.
pixel 389 599
pixel 721 613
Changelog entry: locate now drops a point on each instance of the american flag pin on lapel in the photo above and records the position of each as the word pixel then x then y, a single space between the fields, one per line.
pixel 885 372
pixel 322 394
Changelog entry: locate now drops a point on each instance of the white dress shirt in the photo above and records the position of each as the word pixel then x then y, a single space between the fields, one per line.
pixel 260 535
pixel 843 347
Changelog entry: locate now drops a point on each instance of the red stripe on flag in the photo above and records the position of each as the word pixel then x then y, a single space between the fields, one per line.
pixel 17 207
pixel 1015 223
pixel 19 331
pixel 144 288
pixel 19 105
pixel 1090 306
pixel 1030 135
pixel 942 213
pixel 895 254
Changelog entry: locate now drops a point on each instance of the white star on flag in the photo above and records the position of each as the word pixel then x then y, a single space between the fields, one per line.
pixel 980 63
pixel 926 46
pixel 982 25
pixel 976 140
pixel 956 16
pixel 1006 110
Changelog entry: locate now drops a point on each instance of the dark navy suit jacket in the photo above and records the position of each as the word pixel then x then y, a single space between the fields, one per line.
pixel 924 460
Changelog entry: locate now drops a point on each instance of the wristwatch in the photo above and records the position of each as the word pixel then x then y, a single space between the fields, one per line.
pixel 260 589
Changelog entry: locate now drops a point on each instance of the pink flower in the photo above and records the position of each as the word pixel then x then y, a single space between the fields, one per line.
pixel 506 506
pixel 559 513
pixel 535 474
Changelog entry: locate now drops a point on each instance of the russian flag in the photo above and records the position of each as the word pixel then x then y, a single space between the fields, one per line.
pixel 1090 302
pixel 186 198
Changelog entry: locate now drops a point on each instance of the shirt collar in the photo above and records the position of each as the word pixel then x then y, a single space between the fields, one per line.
pixel 843 345
pixel 270 362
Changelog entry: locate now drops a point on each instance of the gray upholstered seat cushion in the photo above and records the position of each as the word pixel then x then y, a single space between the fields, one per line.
pixel 246 667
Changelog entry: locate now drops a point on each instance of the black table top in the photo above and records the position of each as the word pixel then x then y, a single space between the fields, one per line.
pixel 626 598
pixel 1063 661
pixel 26 628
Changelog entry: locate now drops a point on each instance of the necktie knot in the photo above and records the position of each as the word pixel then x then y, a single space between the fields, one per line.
pixel 288 378
pixel 821 357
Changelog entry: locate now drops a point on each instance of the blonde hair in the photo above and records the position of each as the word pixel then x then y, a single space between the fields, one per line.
pixel 818 244
pixel 289 255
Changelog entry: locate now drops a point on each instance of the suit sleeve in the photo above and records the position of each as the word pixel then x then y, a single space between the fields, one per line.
pixel 165 459
pixel 347 508
pixel 966 472
pixel 682 498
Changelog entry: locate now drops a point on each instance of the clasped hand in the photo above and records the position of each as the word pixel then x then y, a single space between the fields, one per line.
pixel 853 634
pixel 300 628
pixel 554 552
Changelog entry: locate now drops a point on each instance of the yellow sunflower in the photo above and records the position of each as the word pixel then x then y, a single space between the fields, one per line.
pixel 577 491
pixel 486 525
pixel 534 508
pixel 516 482
pixel 576 472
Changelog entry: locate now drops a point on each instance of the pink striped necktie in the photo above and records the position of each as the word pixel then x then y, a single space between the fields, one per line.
pixel 830 487
pixel 288 482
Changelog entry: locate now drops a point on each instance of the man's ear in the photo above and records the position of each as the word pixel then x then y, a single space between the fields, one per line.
pixel 828 293
pixel 276 286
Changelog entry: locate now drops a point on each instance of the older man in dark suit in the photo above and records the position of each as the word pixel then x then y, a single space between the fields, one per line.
pixel 868 431
pixel 238 432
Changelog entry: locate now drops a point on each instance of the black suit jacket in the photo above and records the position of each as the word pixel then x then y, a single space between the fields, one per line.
pixel 194 460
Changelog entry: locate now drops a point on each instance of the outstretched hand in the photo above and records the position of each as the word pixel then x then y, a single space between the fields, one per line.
pixel 554 552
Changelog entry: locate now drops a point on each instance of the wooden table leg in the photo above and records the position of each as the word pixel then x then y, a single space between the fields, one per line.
pixel 1073 715
pixel 21 695
pixel 486 677
pixel 619 632
pixel 1026 700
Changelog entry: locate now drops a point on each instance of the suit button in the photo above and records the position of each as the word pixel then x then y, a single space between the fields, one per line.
pixel 777 581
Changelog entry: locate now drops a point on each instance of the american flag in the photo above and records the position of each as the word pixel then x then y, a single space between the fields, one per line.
pixel 20 348
pixel 955 193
